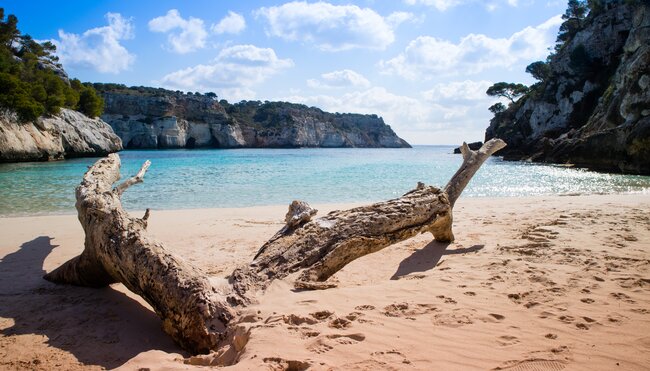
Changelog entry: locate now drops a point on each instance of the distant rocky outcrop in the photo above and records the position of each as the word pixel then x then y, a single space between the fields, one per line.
pixel 158 118
pixel 65 135
pixel 594 108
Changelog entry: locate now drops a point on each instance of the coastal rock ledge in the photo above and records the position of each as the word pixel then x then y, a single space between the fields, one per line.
pixel 158 118
pixel 594 109
pixel 65 135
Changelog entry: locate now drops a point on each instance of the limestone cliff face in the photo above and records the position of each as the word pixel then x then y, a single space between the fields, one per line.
pixel 68 134
pixel 594 110
pixel 165 119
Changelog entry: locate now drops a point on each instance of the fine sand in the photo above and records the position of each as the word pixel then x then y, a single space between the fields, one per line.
pixel 539 283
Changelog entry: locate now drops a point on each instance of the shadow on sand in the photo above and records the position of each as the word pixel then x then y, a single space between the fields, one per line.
pixel 428 257
pixel 101 327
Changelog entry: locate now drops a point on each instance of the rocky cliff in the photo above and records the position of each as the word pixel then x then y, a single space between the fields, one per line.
pixel 157 118
pixel 594 108
pixel 65 135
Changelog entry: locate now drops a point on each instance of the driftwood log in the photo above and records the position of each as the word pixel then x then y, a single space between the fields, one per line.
pixel 200 316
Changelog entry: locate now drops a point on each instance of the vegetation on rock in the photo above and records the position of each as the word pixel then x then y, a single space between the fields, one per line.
pixel 539 70
pixel 507 90
pixel 30 77
pixel 573 21
pixel 577 15
pixel 590 106
pixel 497 108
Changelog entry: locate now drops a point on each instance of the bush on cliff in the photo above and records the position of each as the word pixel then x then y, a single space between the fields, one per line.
pixel 507 90
pixel 90 103
pixel 28 86
pixel 575 18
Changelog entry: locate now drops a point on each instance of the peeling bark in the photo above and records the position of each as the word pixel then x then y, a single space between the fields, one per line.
pixel 198 315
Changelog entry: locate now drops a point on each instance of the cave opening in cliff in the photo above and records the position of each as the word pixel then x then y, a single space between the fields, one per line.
pixel 191 143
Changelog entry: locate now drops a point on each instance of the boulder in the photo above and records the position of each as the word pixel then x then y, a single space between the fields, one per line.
pixel 65 135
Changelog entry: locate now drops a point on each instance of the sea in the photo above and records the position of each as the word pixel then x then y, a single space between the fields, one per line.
pixel 214 178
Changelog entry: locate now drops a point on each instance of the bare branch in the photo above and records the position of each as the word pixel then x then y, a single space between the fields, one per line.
pixel 465 151
pixel 472 161
pixel 146 215
pixel 138 178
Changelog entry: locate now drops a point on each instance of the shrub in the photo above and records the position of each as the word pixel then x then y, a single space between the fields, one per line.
pixel 90 104
pixel 31 89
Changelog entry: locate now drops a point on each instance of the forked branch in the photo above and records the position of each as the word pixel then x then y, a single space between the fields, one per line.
pixel 138 178
pixel 472 161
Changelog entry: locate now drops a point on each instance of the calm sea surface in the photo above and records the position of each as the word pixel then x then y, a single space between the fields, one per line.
pixel 181 179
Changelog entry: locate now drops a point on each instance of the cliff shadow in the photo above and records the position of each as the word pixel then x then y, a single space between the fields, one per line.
pixel 428 257
pixel 101 327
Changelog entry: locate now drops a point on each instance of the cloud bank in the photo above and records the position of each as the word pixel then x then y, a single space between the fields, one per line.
pixel 331 27
pixel 233 23
pixel 339 79
pixel 427 56
pixel 98 48
pixel 183 35
pixel 233 73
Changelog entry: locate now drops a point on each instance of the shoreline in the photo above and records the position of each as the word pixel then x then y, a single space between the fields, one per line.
pixel 553 281
pixel 328 206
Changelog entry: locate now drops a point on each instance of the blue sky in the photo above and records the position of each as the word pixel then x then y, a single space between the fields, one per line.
pixel 423 65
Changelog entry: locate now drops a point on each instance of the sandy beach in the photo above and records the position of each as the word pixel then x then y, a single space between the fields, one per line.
pixel 537 283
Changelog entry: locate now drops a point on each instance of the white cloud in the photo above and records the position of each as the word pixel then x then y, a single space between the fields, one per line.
pixel 233 23
pixel 436 116
pixel 443 5
pixel 98 48
pixel 427 56
pixel 460 105
pixel 232 74
pixel 458 91
pixel 184 35
pixel 397 110
pixel 396 18
pixel 339 79
pixel 329 27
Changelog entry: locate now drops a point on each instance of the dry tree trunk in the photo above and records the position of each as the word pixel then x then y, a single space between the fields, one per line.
pixel 323 246
pixel 198 315
pixel 117 249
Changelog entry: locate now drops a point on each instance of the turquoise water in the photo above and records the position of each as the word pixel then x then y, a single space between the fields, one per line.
pixel 247 177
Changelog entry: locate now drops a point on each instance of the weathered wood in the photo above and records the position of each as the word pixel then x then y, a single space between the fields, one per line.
pixel 472 161
pixel 117 249
pixel 323 246
pixel 200 316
